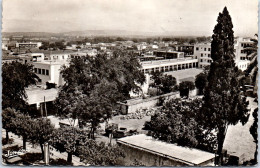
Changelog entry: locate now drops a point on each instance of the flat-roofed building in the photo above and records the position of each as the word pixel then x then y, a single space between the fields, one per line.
pixel 168 65
pixel 202 52
pixel 169 54
pixel 49 71
pixel 28 45
pixel 152 152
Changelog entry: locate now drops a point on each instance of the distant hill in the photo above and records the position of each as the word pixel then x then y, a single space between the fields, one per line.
pixel 123 33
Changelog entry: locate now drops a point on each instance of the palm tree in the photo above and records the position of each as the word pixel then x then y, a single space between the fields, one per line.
pixel 252 69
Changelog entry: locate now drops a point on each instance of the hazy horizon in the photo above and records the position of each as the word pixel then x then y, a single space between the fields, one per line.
pixel 166 17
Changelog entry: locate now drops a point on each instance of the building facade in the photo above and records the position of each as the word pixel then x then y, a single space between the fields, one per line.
pixel 202 52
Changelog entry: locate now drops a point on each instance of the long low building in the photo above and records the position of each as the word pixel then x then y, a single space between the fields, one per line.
pixel 151 152
pixel 169 65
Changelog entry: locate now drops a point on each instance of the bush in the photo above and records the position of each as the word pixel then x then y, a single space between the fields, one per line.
pixel 32 157
pixel 60 162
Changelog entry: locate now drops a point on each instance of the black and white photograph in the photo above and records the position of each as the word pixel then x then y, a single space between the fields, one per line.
pixel 136 83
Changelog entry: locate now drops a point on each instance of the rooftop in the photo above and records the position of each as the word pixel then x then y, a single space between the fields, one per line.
pixel 37 95
pixel 168 61
pixel 185 155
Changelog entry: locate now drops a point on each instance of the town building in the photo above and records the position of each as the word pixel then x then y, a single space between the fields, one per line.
pixel 151 152
pixel 242 58
pixel 169 54
pixel 202 52
pixel 168 65
pixel 28 45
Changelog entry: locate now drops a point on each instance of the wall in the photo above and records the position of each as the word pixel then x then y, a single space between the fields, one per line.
pixel 146 158
pixel 55 74
pixel 133 105
pixel 44 78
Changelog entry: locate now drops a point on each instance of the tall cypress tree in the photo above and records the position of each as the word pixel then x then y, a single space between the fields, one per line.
pixel 224 104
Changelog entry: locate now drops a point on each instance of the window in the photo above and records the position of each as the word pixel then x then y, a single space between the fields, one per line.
pixel 197 48
pixel 208 55
pixel 39 71
pixel 201 60
pixel 47 72
pixel 201 55
pixel 43 71
pixel 63 57
pixel 205 49
pixel 35 70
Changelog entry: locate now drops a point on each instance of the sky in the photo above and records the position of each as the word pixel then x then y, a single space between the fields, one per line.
pixel 180 17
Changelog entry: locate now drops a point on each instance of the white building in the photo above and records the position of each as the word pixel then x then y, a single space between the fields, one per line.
pixel 202 53
pixel 49 71
pixel 28 45
pixel 242 59
pixel 168 65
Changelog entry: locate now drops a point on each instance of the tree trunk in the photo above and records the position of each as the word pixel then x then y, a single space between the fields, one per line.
pixel 255 158
pixel 24 142
pixel 42 150
pixel 7 136
pixel 69 158
pixel 220 137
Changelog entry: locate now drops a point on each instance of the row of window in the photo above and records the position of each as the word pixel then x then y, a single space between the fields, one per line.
pixel 205 55
pixel 209 61
pixel 205 49
pixel 171 68
pixel 41 71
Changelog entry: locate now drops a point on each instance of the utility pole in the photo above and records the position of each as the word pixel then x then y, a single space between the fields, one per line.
pixel 45 107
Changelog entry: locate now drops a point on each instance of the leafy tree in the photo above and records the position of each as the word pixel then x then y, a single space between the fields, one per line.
pixel 44 46
pixel 253 131
pixel 168 83
pixel 163 82
pixel 94 85
pixel 185 87
pixel 100 154
pixel 201 80
pixel 223 103
pixel 42 131
pixel 157 80
pixel 68 139
pixel 23 126
pixel 8 116
pixel 16 77
pixel 179 122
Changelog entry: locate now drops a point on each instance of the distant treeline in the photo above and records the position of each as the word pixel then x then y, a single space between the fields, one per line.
pixel 179 40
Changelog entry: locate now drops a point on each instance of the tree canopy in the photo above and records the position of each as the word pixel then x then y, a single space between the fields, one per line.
pixel 16 77
pixel 201 80
pixel 8 115
pixel 223 102
pixel 185 87
pixel 163 82
pixel 94 85
pixel 179 122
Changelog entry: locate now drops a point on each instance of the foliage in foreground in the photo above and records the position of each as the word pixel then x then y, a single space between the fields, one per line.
pixel 94 85
pixel 75 141
pixel 16 77
pixel 179 122
pixel 224 103
pixel 253 132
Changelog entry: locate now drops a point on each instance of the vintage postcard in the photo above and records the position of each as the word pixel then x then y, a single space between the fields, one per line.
pixel 129 83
